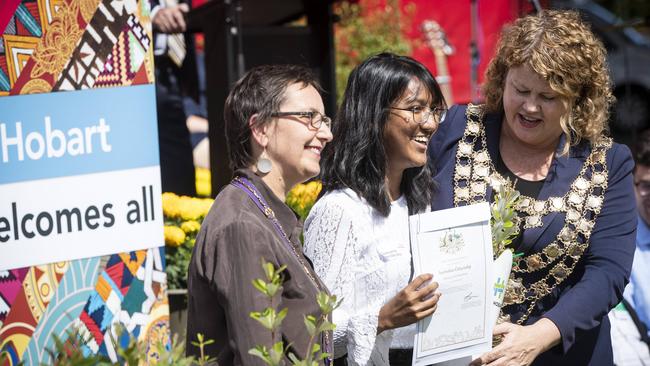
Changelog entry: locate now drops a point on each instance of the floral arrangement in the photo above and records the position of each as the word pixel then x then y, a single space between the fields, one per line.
pixel 183 218
pixel 303 196
pixel 203 182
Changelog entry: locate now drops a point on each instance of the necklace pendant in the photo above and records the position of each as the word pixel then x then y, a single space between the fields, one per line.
pixel 465 149
pixel 575 199
pixel 575 251
pixel 462 193
pixel 567 235
pixel 557 204
pixel 539 207
pixel 515 292
pixel 533 221
pixel 534 262
pixel 552 251
pixel 482 171
pixel 599 179
pixel 581 184
pixel 482 157
pixel 594 203
pixel 463 171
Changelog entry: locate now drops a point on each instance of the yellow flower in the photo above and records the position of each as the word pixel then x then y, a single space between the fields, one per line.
pixel 203 189
pixel 303 196
pixel 203 182
pixel 202 174
pixel 174 236
pixel 206 204
pixel 170 203
pixel 314 188
pixel 190 227
pixel 188 209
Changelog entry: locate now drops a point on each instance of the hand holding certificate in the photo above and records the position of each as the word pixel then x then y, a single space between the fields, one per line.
pixel 455 245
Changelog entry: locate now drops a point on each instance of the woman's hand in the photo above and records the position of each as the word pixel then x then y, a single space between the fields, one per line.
pixel 415 301
pixel 521 344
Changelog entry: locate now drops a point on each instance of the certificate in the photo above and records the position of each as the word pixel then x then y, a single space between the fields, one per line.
pixel 455 245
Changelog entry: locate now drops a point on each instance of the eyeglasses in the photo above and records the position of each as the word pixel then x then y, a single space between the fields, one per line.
pixel 422 114
pixel 316 119
pixel 643 187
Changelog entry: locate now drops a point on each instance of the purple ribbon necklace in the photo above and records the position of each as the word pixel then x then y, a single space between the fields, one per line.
pixel 249 188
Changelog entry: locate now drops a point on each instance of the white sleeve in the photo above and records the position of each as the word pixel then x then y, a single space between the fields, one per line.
pixel 334 235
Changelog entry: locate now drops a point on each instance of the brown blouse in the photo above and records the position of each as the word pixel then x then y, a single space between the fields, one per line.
pixel 227 257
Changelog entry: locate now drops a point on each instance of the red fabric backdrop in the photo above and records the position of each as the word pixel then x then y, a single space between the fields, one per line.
pixel 455 19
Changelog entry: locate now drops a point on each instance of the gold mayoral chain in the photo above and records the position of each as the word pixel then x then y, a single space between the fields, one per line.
pixel 581 205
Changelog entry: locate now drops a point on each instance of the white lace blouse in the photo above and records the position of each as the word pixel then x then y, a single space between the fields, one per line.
pixel 365 259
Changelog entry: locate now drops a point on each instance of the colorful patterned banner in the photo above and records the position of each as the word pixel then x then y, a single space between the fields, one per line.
pixel 70 45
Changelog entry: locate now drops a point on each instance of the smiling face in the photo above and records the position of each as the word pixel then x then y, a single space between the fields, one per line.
pixel 404 140
pixel 532 109
pixel 294 146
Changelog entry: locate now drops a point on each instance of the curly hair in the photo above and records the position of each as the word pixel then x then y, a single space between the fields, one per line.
pixel 561 48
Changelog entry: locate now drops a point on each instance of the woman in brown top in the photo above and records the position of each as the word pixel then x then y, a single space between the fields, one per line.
pixel 276 129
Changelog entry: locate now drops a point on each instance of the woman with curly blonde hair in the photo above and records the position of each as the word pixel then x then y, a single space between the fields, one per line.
pixel 541 132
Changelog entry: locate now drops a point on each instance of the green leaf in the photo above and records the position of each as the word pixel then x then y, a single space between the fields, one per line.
pixel 326 326
pixel 294 360
pixel 272 289
pixel 277 353
pixel 327 303
pixel 266 318
pixel 280 317
pixel 260 285
pixel 269 270
pixel 261 352
pixel 310 324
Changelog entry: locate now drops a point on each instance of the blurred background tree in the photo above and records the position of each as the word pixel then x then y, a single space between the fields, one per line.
pixel 365 28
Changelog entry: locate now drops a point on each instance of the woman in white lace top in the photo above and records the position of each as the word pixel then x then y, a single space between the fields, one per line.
pixel 375 174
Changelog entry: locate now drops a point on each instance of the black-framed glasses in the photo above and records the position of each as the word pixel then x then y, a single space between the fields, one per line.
pixel 422 114
pixel 316 119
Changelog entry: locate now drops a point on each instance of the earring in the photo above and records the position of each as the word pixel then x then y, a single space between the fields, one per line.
pixel 263 163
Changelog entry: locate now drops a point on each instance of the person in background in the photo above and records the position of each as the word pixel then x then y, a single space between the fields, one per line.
pixel 176 76
pixel 637 292
pixel 630 336
pixel 374 175
pixel 541 132
pixel 275 130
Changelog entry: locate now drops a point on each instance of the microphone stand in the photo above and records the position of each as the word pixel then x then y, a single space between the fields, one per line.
pixel 234 42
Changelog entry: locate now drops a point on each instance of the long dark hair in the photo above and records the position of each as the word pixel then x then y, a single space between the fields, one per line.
pixel 356 158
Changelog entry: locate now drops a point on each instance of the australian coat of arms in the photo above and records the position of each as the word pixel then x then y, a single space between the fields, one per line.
pixel 451 242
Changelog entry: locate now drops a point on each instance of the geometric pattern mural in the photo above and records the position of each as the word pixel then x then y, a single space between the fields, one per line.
pixel 56 45
pixel 52 45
